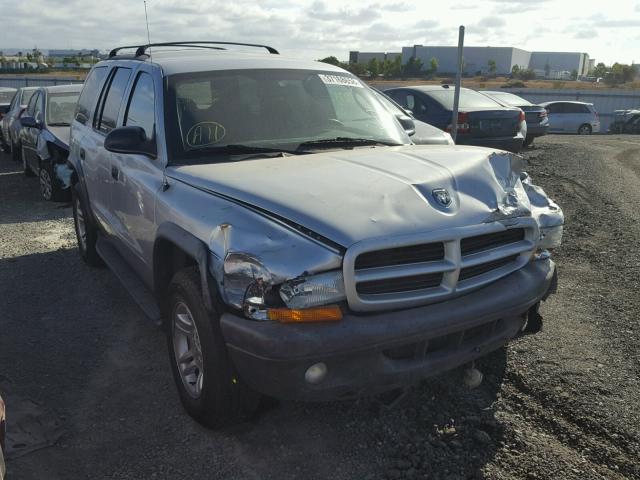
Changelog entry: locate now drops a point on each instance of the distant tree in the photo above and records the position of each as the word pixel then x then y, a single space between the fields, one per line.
pixel 374 67
pixel 358 69
pixel 515 71
pixel 331 61
pixel 620 73
pixel 600 70
pixel 433 65
pixel 392 68
pixel 524 74
pixel 492 67
pixel 412 68
pixel 574 74
pixel 547 70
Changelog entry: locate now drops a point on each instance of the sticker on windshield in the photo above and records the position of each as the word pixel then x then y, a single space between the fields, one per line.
pixel 340 80
pixel 205 133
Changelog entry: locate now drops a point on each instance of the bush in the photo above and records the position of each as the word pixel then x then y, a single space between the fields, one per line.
pixel 514 84
pixel 557 85
pixel 448 81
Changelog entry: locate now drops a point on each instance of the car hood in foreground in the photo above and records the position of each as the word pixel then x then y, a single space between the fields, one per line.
pixel 349 195
pixel 61 134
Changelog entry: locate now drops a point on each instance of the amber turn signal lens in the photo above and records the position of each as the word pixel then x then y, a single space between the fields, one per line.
pixel 308 315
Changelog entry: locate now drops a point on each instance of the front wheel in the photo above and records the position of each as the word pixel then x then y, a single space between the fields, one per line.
pixel 50 187
pixel 209 388
pixel 585 129
pixel 528 141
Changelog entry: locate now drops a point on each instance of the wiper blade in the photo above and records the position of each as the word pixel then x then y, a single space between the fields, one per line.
pixel 59 124
pixel 345 142
pixel 238 149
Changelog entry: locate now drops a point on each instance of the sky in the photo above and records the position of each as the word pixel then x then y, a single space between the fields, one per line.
pixel 607 31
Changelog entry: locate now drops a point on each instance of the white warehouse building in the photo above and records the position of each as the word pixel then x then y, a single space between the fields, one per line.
pixel 476 59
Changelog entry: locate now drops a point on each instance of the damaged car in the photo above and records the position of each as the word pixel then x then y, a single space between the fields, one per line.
pixel 277 219
pixel 44 139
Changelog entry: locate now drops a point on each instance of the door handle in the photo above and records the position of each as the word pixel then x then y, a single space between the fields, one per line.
pixel 82 154
pixel 115 172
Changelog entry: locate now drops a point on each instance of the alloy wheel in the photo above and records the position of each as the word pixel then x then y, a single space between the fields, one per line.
pixel 187 349
pixel 46 184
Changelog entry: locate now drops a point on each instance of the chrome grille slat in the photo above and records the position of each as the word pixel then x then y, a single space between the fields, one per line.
pixel 466 258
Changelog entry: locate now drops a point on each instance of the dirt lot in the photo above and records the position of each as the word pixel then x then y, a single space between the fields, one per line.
pixel 77 354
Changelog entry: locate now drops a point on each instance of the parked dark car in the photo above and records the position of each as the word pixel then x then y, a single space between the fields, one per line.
pixel 44 138
pixel 481 120
pixel 2 438
pixel 625 121
pixel 6 95
pixel 535 115
pixel 11 125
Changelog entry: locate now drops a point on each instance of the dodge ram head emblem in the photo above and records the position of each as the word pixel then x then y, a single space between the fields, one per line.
pixel 441 195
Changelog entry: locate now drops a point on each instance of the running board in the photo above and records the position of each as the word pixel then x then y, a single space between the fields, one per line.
pixel 129 280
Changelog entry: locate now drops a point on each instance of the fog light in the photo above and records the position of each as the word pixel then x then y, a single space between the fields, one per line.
pixel 316 373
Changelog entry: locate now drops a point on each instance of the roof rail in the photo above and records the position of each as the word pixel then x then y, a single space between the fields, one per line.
pixel 141 49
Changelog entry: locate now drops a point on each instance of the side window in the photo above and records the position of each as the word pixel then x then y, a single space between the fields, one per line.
pixel 90 92
pixel 141 109
pixel 113 100
pixel 584 109
pixel 416 105
pixel 399 97
pixel 31 107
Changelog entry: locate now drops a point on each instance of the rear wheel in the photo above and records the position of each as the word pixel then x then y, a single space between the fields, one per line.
pixel 86 232
pixel 209 388
pixel 528 141
pixel 585 129
pixel 25 166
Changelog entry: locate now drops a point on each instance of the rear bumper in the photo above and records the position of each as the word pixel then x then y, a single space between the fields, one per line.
pixel 511 144
pixel 537 130
pixel 373 353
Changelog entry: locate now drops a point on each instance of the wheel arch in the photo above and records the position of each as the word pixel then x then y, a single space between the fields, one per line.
pixel 175 248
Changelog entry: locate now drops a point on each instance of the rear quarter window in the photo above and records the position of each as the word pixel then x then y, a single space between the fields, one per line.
pixel 89 96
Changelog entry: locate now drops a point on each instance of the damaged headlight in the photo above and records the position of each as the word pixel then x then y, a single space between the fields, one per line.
pixel 313 291
pixel 246 283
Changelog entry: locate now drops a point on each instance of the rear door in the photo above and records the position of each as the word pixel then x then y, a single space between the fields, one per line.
pixel 29 135
pixel 95 159
pixel 575 115
pixel 556 114
pixel 139 177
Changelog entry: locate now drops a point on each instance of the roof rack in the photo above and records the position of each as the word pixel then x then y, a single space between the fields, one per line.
pixel 141 49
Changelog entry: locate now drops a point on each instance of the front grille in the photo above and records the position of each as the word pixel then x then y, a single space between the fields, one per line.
pixel 488 241
pixel 408 272
pixel 401 284
pixel 470 272
pixel 401 256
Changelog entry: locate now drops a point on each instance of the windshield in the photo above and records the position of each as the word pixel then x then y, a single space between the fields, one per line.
pixel 295 111
pixel 468 99
pixel 510 99
pixel 61 108
pixel 6 96
pixel 26 96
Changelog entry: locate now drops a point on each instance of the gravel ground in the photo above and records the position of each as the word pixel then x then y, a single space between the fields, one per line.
pixel 563 404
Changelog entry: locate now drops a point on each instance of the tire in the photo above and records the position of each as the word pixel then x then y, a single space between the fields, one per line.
pixel 528 141
pixel 25 166
pixel 585 129
pixel 50 187
pixel 86 232
pixel 15 152
pixel 210 390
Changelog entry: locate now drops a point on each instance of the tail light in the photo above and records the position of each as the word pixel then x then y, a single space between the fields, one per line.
pixel 522 117
pixel 542 114
pixel 463 123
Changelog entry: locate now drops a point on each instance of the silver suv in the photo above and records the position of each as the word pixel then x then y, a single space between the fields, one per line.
pixel 278 219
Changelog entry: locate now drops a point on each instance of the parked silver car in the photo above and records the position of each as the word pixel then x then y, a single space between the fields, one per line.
pixel 11 124
pixel 278 219
pixel 572 117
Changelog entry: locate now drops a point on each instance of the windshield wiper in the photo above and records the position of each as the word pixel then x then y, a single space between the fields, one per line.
pixel 344 142
pixel 59 124
pixel 239 149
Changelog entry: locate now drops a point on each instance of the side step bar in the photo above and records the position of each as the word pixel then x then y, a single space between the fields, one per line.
pixel 129 280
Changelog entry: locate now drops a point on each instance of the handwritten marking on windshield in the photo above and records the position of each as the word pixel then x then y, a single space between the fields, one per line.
pixel 340 80
pixel 205 133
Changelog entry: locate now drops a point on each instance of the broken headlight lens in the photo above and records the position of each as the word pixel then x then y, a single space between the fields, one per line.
pixel 312 291
pixel 550 237
pixel 246 282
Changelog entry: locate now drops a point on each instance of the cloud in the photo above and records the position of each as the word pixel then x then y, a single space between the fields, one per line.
pixel 586 34
pixel 492 22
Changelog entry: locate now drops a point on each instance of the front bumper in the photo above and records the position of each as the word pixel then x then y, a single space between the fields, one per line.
pixel 366 354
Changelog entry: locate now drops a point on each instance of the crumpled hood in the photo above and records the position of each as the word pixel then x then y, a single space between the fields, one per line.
pixel 61 133
pixel 350 195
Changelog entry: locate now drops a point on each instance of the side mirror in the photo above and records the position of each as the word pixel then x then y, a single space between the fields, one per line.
pixel 132 140
pixel 29 122
pixel 407 123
